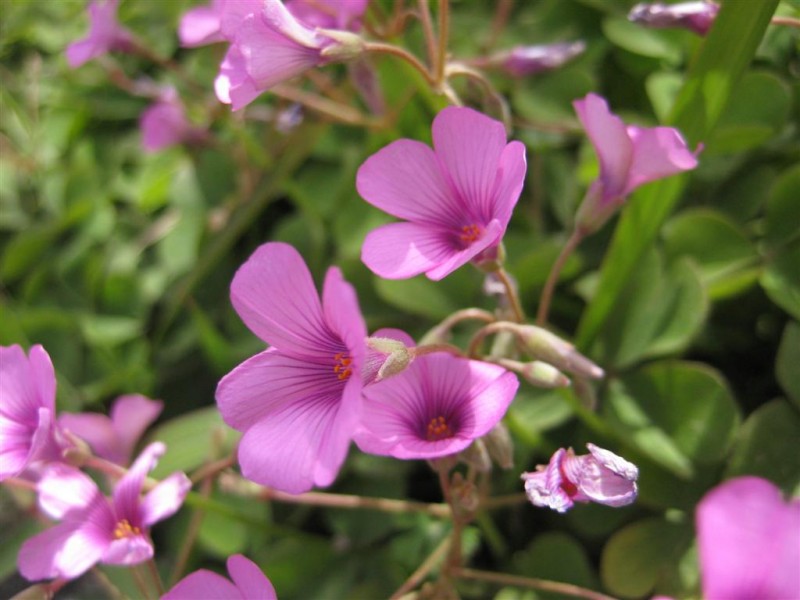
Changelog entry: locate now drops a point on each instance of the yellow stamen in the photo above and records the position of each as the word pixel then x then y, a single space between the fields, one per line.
pixel 341 365
pixel 438 429
pixel 470 233
pixel 124 529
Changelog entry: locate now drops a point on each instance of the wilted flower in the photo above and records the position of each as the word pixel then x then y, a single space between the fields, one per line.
pixel 249 583
pixel 601 477
pixel 436 407
pixel 105 34
pixel 521 61
pixel 114 438
pixel 164 124
pixel 28 431
pixel 749 542
pixel 629 156
pixel 299 401
pixel 456 199
pixel 94 528
pixel 697 16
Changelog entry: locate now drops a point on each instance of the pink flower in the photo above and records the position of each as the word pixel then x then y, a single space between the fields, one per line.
pixel 601 477
pixel 28 431
pixel 105 34
pixel 299 401
pixel 696 16
pixel 456 199
pixel 329 14
pixel 271 46
pixel 164 124
pixel 94 528
pixel 529 60
pixel 749 542
pixel 216 22
pixel 436 407
pixel 630 156
pixel 249 583
pixel 114 438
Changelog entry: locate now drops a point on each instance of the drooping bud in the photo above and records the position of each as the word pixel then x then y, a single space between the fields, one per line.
pixel 550 348
pixel 537 373
pixel 500 447
pixel 465 496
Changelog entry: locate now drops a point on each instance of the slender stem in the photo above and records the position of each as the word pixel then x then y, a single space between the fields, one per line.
pixel 20 483
pixel 207 471
pixel 349 501
pixel 105 466
pixel 531 582
pixel 501 14
pixel 552 279
pixel 104 582
pixel 790 21
pixel 381 48
pixel 444 34
pixel 431 348
pixel 483 332
pixel 511 294
pixel 155 577
pixel 488 88
pixel 191 534
pixel 434 558
pixel 427 29
pixel 329 108
pixel 140 582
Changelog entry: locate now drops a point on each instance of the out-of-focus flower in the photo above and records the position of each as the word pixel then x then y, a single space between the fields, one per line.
pixel 601 477
pixel 697 16
pixel 164 124
pixel 271 46
pixel 215 22
pixel 28 431
pixel 105 34
pixel 749 542
pixel 522 61
pixel 94 528
pixel 456 199
pixel 329 14
pixel 249 583
pixel 435 407
pixel 114 438
pixel 630 156
pixel 299 401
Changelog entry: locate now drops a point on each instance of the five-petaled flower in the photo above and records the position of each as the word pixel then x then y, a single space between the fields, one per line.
pixel 28 430
pixel 299 401
pixel 94 528
pixel 600 476
pixel 248 582
pixel 436 407
pixel 629 156
pixel 105 34
pixel 456 199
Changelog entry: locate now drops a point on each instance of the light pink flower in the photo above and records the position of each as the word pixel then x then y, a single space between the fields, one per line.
pixel 601 477
pixel 749 542
pixel 164 124
pixel 529 60
pixel 94 528
pixel 696 16
pixel 629 156
pixel 329 14
pixel 249 583
pixel 114 438
pixel 455 199
pixel 436 407
pixel 105 34
pixel 28 431
pixel 215 22
pixel 299 401
pixel 269 46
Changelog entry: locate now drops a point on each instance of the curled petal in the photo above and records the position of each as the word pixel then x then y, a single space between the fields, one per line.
pixel 130 550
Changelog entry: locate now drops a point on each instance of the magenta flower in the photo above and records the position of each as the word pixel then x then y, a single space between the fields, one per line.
pixel 114 438
pixel 249 583
pixel 456 199
pixel 436 407
pixel 164 124
pixel 270 46
pixel 696 16
pixel 28 431
pixel 299 401
pixel 630 156
pixel 749 542
pixel 529 60
pixel 105 34
pixel 601 477
pixel 94 528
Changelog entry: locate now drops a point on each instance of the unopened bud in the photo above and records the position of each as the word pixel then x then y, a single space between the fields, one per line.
pixel 465 496
pixel 346 46
pixel 552 349
pixel 537 373
pixel 477 456
pixel 385 357
pixel 696 16
pixel 500 447
pixel 529 60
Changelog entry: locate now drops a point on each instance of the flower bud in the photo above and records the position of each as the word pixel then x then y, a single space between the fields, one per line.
pixel 529 60
pixel 561 354
pixel 385 357
pixel 477 456
pixel 346 45
pixel 696 16
pixel 537 373
pixel 500 447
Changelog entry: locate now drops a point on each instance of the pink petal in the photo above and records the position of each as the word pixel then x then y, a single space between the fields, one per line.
pixel 275 296
pixel 204 584
pixel 233 85
pixel 233 12
pixel 343 315
pixel 96 430
pixel 129 488
pixel 280 20
pixel 200 26
pixel 610 140
pixel 26 383
pixel 510 180
pixel 130 550
pixel 66 550
pixel 469 145
pixel 131 416
pixel 82 51
pixel 63 488
pixel 405 180
pixel 402 250
pixel 14 447
pixel 490 237
pixel 748 541
pixel 163 124
pixel 657 152
pixel 252 583
pixel 165 499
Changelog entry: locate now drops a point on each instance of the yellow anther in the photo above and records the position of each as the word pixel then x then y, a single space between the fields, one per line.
pixel 124 529
pixel 470 233
pixel 341 365
pixel 438 429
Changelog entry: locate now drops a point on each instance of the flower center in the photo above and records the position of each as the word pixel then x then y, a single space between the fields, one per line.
pixel 470 233
pixel 570 489
pixel 438 429
pixel 124 529
pixel 341 365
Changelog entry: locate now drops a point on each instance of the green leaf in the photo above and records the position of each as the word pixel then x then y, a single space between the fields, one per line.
pixel 781 280
pixel 644 554
pixel 767 446
pixel 787 365
pixel 556 556
pixel 653 43
pixel 432 299
pixel 712 79
pixel 677 413
pixel 109 331
pixel 783 208
pixel 222 534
